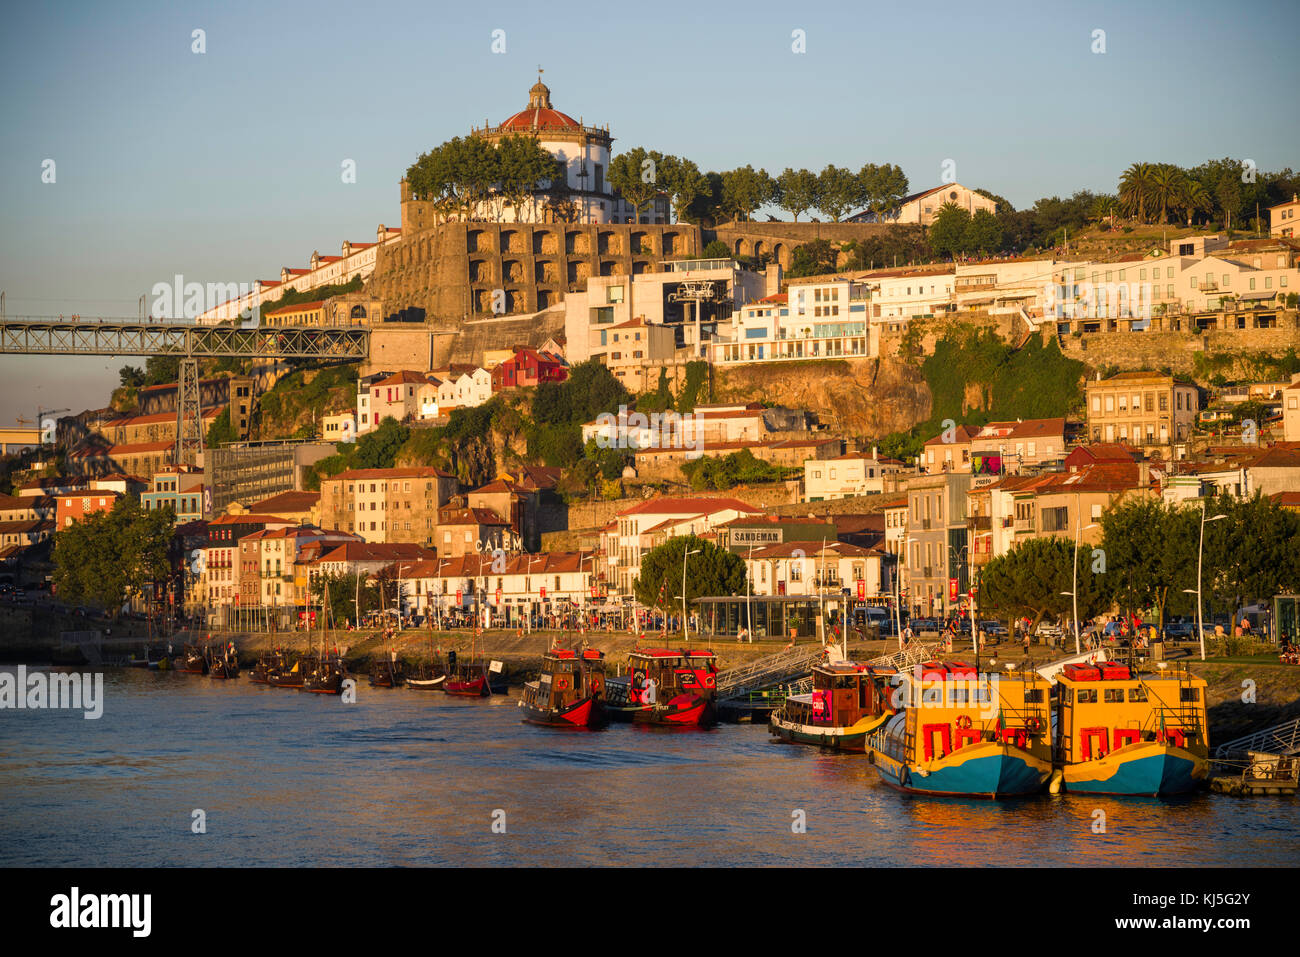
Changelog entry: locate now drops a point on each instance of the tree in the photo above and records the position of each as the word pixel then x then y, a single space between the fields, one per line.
pixel 377 449
pixel 221 432
pixel 522 164
pixel 109 557
pixel 1167 183
pixel 1150 552
pixel 346 594
pixel 1251 555
pixel 1135 190
pixel 635 175
pixel 838 191
pixel 716 249
pixel 683 182
pixel 131 377
pixel 714 571
pixel 1028 580
pixel 882 187
pixel 815 258
pixel 159 370
pixel 797 191
pixel 948 231
pixel 746 189
pixel 983 233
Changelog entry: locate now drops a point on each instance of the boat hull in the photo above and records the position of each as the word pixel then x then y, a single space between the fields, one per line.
pixel 988 769
pixel 586 713
pixel 852 738
pixel 478 688
pixel 426 684
pixel 682 711
pixel 1146 768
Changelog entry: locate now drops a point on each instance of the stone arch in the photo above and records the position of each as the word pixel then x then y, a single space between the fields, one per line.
pixel 609 243
pixel 358 312
pixel 641 239
pixel 607 267
pixel 640 266
pixel 480 270
pixel 579 271
pixel 577 243
pixel 512 241
pixel 671 241
pixel 476 241
pixel 545 299
pixel 512 270
pixel 760 247
pixel 740 245
pixel 781 253
pixel 545 242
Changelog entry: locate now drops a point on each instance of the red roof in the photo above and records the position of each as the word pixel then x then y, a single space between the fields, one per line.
pixel 540 119
pixel 670 505
pixel 300 307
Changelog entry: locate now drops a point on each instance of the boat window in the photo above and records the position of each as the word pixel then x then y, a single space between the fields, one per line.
pixel 1034 696
pixel 1087 696
pixel 959 695
pixel 1190 694
pixel 1137 694
pixel 1114 695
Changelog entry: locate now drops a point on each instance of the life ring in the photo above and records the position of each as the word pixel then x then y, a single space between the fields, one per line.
pixel 561 684
pixel 1034 724
pixel 709 682
pixel 963 722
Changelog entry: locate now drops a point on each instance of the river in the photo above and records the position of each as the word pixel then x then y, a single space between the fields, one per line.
pixel 410 778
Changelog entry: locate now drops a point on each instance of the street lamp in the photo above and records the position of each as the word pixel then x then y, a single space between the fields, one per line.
pixel 686 625
pixel 1200 553
pixel 1078 519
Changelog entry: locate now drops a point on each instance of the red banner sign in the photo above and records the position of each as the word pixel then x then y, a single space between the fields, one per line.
pixel 952 589
pixel 862 588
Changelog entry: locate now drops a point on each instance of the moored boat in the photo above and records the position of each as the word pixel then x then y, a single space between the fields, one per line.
pixel 267 663
pixel 223 662
pixel 848 701
pixel 327 675
pixel 386 671
pixel 283 674
pixel 428 676
pixel 467 680
pixel 192 661
pixel 665 687
pixel 567 693
pixel 1119 731
pixel 966 734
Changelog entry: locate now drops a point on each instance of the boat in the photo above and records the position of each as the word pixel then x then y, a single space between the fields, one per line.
pixel 567 693
pixel 267 662
pixel 848 701
pixel 683 691
pixel 326 675
pixel 964 733
pixel 282 674
pixel 386 672
pixel 467 680
pixel 158 659
pixel 223 662
pixel 1119 731
pixel 192 661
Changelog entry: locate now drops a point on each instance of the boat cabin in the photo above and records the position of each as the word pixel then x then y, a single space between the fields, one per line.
pixel 567 677
pixel 673 671
pixel 1102 708
pixel 950 705
pixel 843 693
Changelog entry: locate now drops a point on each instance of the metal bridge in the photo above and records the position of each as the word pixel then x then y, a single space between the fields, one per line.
pixel 78 336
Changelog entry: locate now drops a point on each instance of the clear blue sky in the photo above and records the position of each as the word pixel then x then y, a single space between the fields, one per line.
pixel 225 166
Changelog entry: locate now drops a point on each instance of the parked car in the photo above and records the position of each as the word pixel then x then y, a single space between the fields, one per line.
pixel 921 626
pixel 1180 631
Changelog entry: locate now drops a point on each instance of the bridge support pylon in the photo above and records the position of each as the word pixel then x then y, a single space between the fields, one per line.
pixel 189 413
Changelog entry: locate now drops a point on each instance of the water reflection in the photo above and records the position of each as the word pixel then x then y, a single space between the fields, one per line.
pixel 405 777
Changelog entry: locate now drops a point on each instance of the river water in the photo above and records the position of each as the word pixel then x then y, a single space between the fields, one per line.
pixel 403 777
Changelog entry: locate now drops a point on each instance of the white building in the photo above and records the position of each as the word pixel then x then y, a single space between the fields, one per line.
pixel 922 208
pixel 643 526
pixel 846 476
pixel 809 568
pixel 821 318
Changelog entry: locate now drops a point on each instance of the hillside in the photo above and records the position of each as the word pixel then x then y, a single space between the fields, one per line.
pixel 292 408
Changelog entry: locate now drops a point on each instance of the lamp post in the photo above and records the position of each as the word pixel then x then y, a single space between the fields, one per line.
pixel 686 626
pixel 1078 530
pixel 1200 554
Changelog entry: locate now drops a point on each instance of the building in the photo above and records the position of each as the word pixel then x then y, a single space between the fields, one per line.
pixel 937 555
pixel 692 297
pixel 367 558
pixel 948 451
pixel 395 396
pixel 811 568
pixel 386 505
pixel 512 587
pixel 252 471
pixel 1282 218
pixel 922 208
pixel 1291 411
pixel 1002 447
pixel 465 530
pixel 225 579
pixel 340 426
pixel 525 369
pixel 300 507
pixel 847 476
pixel 818 318
pixel 637 527
pixel 1141 409
pixel 182 488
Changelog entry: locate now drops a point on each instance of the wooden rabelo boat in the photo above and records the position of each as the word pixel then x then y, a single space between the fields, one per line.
pixel 192 661
pixel 665 687
pixel 386 671
pixel 290 674
pixel 567 693
pixel 963 733
pixel 467 680
pixel 223 662
pixel 848 701
pixel 267 662
pixel 1122 732
pixel 327 674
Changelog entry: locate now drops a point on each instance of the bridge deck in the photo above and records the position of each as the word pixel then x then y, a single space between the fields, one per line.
pixel 32 335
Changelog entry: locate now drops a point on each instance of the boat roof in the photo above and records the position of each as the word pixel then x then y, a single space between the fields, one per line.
pixel 567 654
pixel 671 653
pixel 852 668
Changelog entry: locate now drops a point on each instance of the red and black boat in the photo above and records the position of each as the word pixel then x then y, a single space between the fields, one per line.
pixel 568 692
pixel 665 687
pixel 466 680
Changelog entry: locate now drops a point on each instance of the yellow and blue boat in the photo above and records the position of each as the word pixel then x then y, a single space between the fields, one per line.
pixel 1122 732
pixel 847 703
pixel 966 734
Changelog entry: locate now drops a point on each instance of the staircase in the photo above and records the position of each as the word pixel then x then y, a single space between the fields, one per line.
pixel 913 654
pixel 1281 739
pixel 778 669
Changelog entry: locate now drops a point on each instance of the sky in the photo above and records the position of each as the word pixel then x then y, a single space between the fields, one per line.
pixel 226 164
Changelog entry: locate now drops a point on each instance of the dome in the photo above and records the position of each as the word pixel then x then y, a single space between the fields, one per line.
pixel 539 115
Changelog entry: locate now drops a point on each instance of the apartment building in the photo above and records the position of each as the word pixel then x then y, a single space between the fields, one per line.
pixel 849 475
pixel 814 569
pixel 686 515
pixel 386 505
pixel 816 318
pixel 937 554
pixel 1141 409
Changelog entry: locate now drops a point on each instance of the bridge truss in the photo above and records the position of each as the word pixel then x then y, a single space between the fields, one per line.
pixel 33 335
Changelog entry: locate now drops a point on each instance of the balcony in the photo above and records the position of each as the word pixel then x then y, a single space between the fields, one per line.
pixel 980 523
pixel 1024 525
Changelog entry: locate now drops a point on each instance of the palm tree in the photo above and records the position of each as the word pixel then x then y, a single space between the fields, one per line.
pixel 1166 187
pixel 1195 199
pixel 1105 207
pixel 1135 190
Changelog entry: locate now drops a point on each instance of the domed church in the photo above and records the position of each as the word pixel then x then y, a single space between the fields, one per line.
pixel 585 195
